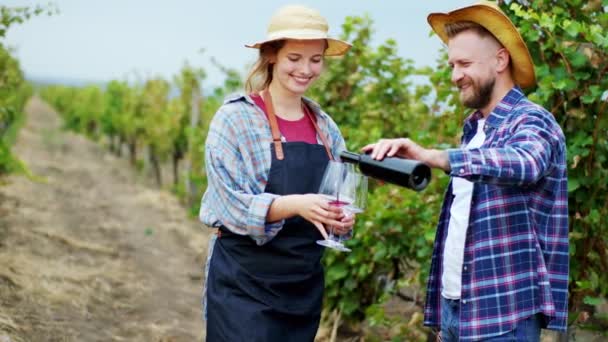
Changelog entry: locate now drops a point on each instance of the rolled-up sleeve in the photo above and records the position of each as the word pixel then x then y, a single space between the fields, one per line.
pixel 234 198
pixel 525 157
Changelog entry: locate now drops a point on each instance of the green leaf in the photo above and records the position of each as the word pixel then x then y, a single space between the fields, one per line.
pixel 336 272
pixel 380 252
pixel 588 99
pixel 349 305
pixel 582 75
pixel 573 28
pixel 594 217
pixel 575 235
pixel 547 21
pixel 584 284
pixel 577 59
pixel 560 85
pixel 573 184
pixel 595 90
pixel 429 235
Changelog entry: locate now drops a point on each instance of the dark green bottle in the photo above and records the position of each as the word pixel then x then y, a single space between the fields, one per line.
pixel 408 173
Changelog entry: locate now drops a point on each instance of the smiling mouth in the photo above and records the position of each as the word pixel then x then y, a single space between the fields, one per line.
pixel 464 87
pixel 301 79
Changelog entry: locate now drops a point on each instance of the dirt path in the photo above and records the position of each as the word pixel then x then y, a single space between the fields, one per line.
pixel 90 253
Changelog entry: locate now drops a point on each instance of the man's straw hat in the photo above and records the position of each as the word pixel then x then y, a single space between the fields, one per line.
pixel 489 15
pixel 301 23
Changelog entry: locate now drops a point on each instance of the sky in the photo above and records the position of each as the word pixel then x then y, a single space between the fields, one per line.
pixel 98 41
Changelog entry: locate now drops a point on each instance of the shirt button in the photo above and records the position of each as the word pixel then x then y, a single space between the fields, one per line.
pixel 464 301
pixel 465 268
pixel 461 171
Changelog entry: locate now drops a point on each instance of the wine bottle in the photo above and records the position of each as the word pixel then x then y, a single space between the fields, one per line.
pixel 408 173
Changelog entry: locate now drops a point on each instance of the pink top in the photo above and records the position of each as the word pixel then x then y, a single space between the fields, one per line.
pixel 298 130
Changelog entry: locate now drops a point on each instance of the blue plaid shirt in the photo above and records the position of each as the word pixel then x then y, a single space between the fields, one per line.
pixel 516 251
pixel 237 161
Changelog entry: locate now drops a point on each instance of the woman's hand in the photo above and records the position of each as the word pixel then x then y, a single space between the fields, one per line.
pixel 315 209
pixel 348 222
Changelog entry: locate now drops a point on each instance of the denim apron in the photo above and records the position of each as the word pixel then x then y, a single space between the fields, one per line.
pixel 272 292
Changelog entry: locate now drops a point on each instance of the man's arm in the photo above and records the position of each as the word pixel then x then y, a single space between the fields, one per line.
pixel 525 157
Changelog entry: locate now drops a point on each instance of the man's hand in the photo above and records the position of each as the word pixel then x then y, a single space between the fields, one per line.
pixel 406 148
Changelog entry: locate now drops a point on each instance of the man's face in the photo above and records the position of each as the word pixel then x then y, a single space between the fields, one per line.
pixel 473 62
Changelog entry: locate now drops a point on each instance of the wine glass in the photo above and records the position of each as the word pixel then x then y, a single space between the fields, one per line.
pixel 347 189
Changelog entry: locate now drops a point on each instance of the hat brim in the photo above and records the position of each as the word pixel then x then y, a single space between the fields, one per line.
pixel 501 27
pixel 335 47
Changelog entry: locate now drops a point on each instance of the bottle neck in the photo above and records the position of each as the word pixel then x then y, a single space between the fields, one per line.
pixel 350 157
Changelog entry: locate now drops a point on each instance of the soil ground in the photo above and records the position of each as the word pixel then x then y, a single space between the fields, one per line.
pixel 90 252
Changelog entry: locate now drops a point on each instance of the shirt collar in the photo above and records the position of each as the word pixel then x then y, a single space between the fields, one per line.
pixel 502 109
pixel 235 97
pixel 314 106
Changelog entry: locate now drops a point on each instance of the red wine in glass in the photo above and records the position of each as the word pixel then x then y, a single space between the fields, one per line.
pixel 344 188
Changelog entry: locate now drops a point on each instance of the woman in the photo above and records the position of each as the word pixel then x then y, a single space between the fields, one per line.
pixel 265 156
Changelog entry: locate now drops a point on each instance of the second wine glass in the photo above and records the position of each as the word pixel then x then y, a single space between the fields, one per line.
pixel 347 189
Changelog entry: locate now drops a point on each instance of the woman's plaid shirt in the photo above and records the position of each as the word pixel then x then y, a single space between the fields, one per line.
pixel 237 161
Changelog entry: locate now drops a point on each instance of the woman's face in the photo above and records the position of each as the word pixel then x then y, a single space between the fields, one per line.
pixel 298 64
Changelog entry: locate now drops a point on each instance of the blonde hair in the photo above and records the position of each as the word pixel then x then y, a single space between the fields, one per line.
pixel 260 75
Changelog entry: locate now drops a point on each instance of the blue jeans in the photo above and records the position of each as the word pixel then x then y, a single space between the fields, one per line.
pixel 527 330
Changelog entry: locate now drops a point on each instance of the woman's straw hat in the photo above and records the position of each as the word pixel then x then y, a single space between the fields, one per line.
pixel 301 23
pixel 489 15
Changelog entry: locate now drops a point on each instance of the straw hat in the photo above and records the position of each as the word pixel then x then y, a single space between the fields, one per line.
pixel 489 15
pixel 301 23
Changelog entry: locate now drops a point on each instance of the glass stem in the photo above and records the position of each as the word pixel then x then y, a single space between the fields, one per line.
pixel 331 233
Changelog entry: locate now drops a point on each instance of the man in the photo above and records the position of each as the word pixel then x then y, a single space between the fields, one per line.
pixel 499 270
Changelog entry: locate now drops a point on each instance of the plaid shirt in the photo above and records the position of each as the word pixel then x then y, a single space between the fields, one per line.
pixel 516 251
pixel 237 161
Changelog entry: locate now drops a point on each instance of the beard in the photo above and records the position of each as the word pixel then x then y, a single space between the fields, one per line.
pixel 481 96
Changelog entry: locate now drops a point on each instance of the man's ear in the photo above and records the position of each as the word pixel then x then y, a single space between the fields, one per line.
pixel 503 59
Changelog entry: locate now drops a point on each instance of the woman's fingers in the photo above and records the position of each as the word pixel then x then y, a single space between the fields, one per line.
pixel 348 220
pixel 329 210
pixel 342 230
pixel 335 211
pixel 321 229
pixel 328 214
pixel 321 214
pixel 331 218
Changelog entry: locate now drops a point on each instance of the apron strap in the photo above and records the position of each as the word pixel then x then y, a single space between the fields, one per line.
pixel 314 122
pixel 274 126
